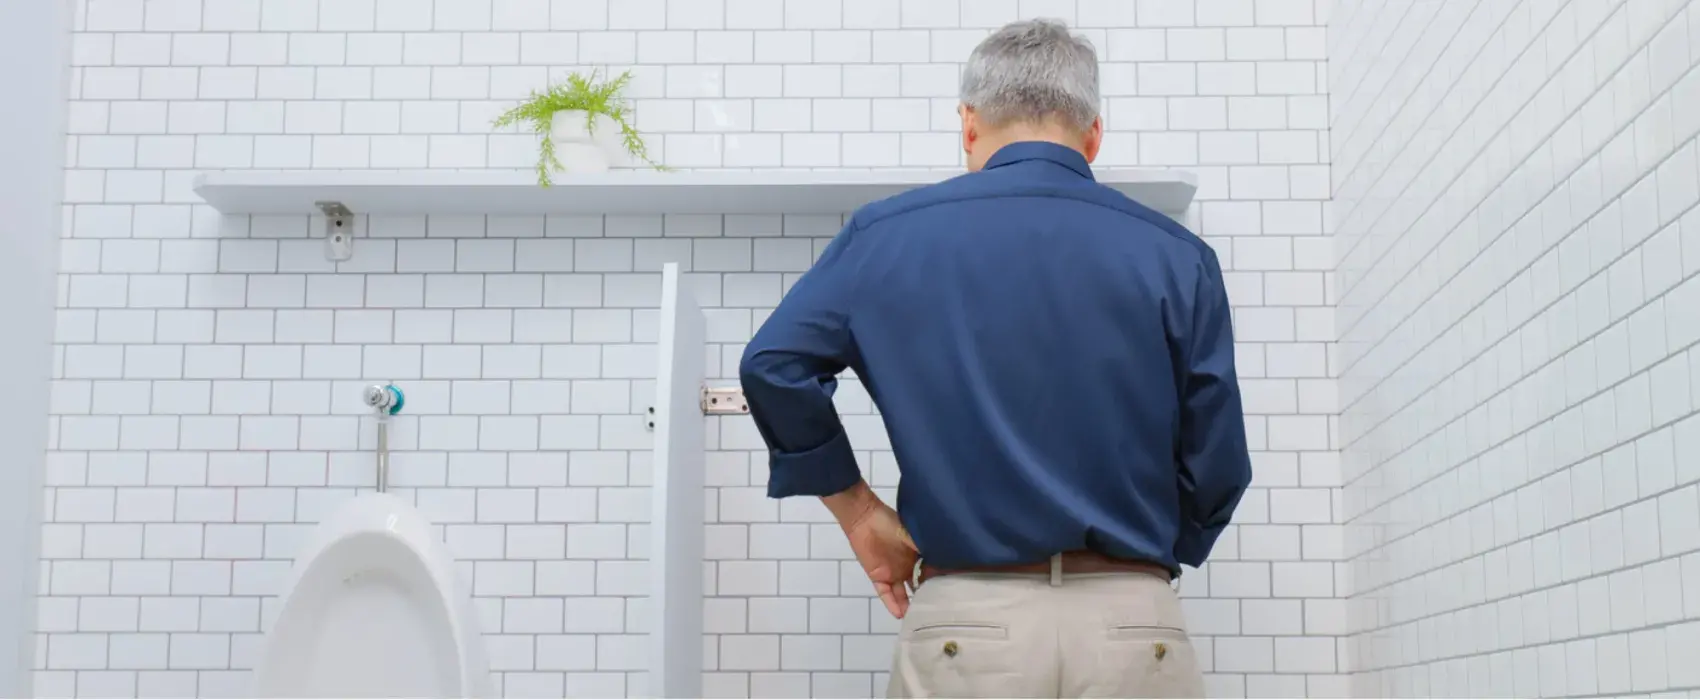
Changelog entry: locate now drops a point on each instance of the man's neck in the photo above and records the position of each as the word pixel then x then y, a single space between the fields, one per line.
pixel 992 143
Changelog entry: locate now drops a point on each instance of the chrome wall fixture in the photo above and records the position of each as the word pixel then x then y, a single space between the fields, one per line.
pixel 386 400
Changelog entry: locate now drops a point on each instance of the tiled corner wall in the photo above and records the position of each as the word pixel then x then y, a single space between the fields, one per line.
pixel 1515 183
pixel 206 404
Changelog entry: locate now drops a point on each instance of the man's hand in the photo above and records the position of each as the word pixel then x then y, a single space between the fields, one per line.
pixel 881 544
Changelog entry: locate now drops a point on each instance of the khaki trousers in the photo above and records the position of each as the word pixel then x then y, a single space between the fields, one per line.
pixel 1112 635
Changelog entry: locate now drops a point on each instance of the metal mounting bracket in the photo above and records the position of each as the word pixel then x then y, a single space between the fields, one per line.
pixel 724 401
pixel 716 401
pixel 339 231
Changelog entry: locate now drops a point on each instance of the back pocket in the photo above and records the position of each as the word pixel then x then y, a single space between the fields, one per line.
pixel 959 629
pixel 1142 661
pixel 1139 632
pixel 957 660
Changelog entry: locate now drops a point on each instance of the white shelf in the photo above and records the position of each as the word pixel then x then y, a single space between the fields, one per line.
pixel 614 192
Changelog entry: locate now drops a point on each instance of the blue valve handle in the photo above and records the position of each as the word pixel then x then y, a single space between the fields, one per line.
pixel 398 399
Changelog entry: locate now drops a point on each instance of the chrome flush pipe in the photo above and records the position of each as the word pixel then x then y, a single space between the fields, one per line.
pixel 386 400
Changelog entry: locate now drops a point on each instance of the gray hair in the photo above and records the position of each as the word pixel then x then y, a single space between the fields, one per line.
pixel 1031 71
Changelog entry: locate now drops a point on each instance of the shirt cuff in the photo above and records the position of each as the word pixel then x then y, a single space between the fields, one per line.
pixel 822 471
pixel 1193 545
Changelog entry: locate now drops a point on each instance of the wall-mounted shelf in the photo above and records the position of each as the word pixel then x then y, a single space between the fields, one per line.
pixel 615 192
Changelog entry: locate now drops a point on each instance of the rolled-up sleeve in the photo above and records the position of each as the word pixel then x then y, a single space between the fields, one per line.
pixel 789 372
pixel 1215 465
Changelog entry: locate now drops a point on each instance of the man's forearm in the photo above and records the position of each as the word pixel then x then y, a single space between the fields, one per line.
pixel 852 504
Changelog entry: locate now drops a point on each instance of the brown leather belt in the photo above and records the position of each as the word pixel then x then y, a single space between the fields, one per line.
pixel 1072 563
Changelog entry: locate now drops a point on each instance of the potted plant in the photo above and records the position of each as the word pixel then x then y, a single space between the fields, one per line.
pixel 584 122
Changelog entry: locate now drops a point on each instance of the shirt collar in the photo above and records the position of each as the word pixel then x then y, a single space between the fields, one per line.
pixel 1041 150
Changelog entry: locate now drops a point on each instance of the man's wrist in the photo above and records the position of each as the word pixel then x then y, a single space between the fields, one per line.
pixel 851 505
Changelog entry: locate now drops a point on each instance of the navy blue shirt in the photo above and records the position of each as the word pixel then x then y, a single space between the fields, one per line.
pixel 1054 363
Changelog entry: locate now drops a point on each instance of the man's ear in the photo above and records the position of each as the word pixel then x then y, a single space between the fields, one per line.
pixel 1094 139
pixel 970 127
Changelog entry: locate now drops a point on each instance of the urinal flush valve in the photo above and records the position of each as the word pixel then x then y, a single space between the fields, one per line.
pixel 386 399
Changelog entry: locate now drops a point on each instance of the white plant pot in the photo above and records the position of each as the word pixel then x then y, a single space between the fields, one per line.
pixel 576 147
pixel 605 134
pixel 608 137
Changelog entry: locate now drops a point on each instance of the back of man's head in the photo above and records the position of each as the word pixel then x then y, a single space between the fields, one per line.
pixel 1030 80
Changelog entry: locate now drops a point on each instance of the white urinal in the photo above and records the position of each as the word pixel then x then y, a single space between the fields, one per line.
pixel 373 610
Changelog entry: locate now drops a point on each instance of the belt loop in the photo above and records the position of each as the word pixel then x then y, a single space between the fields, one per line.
pixel 915 576
pixel 1056 569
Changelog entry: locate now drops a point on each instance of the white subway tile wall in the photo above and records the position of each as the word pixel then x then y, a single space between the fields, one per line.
pixel 206 403
pixel 1515 184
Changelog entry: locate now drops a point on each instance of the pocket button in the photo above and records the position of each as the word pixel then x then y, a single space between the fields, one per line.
pixel 1161 650
pixel 950 649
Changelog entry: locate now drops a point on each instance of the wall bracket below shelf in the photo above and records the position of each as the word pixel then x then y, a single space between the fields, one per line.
pixel 339 230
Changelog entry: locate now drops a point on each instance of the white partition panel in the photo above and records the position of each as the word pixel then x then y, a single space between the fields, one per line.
pixel 676 518
pixel 35 48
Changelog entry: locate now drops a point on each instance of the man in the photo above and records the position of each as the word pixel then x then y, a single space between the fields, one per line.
pixel 1055 366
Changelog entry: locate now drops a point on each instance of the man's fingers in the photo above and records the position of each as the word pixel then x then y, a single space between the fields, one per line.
pixel 889 595
pixel 901 593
